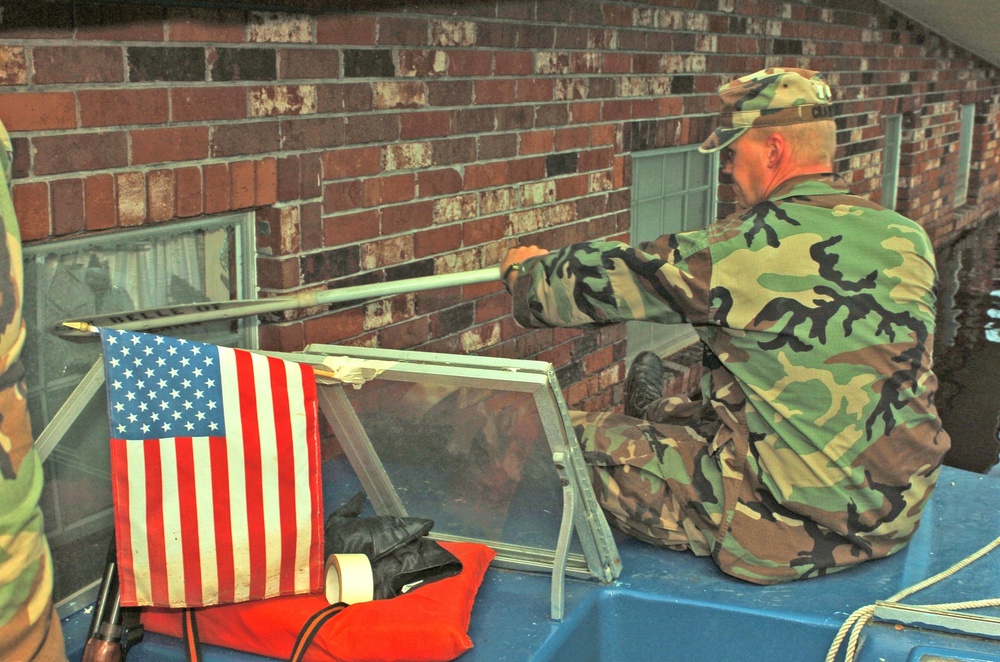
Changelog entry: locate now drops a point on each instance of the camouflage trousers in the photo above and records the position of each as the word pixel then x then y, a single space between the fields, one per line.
pixel 29 627
pixel 655 479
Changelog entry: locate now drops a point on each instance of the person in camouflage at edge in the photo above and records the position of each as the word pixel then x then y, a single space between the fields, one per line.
pixel 29 627
pixel 817 444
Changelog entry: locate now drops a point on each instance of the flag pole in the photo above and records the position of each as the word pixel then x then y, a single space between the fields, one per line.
pixel 183 315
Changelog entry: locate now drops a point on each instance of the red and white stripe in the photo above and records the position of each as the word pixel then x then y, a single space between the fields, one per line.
pixel 215 520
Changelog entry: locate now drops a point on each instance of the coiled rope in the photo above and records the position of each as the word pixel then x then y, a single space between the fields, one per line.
pixel 861 617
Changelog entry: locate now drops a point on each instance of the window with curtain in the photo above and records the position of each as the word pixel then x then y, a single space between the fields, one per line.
pixel 673 190
pixel 179 263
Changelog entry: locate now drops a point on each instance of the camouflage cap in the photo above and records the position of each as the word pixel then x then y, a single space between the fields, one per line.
pixel 770 97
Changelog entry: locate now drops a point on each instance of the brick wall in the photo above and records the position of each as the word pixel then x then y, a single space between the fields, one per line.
pixel 430 138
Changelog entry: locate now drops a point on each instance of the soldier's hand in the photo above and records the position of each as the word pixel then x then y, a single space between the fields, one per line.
pixel 513 259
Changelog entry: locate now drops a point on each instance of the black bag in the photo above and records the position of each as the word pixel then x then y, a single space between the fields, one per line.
pixel 402 557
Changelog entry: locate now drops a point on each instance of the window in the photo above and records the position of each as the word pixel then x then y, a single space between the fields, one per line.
pixel 174 264
pixel 964 154
pixel 673 190
pixel 890 170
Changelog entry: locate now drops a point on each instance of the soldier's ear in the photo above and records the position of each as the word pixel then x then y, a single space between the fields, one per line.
pixel 778 150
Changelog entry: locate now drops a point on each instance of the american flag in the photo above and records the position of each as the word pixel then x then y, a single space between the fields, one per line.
pixel 215 472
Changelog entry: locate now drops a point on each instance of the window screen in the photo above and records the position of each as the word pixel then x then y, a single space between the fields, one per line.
pixel 964 154
pixel 890 171
pixel 673 190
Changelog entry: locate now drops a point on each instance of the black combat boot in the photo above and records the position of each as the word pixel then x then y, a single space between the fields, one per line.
pixel 644 384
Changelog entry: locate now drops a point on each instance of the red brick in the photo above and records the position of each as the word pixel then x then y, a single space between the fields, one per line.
pixel 239 138
pixel 289 185
pixel 122 107
pixel 425 125
pixel 494 91
pixel 278 274
pixel 13 65
pixel 311 223
pixel 403 218
pixel 493 307
pixel 437 240
pixel 188 193
pixel 241 184
pixel 77 64
pixel 534 89
pixel 349 228
pixel 159 195
pixel 100 210
pixel 483 230
pixel 336 327
pixel 131 198
pixel 287 337
pixel 513 63
pixel 169 145
pixel 470 63
pixel 79 152
pixel 343 196
pixel 98 22
pixel 572 138
pixel 387 190
pixel 312 175
pixel 28 111
pixel 537 142
pixel 308 63
pixel 485 175
pixel 352 162
pixel 312 133
pixel 31 205
pixel 266 181
pixel 442 181
pixel 216 187
pixel 574 186
pixel 193 104
pixel 405 335
pixel 207 25
pixel 345 29
pixel 67 206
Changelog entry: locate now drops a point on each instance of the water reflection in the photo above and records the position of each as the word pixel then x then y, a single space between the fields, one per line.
pixel 967 347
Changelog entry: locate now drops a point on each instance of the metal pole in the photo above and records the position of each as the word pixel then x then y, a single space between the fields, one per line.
pixel 173 316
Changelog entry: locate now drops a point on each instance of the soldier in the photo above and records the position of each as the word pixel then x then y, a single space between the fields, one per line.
pixel 816 444
pixel 29 627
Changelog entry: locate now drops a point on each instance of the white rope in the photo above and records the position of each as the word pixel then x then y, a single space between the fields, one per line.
pixel 861 617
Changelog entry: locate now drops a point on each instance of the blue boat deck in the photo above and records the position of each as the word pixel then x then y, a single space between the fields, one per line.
pixel 673 606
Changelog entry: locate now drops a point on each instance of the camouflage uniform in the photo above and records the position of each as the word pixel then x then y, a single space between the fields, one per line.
pixel 818 444
pixel 29 628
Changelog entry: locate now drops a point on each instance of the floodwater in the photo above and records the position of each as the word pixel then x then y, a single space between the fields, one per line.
pixel 967 347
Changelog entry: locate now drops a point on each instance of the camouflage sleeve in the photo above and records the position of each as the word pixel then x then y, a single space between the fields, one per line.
pixel 602 282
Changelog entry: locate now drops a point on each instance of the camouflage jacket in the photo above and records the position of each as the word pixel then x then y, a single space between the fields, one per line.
pixel 816 310
pixel 25 567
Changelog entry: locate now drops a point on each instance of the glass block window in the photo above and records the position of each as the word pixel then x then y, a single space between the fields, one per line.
pixel 178 263
pixel 964 153
pixel 673 190
pixel 890 169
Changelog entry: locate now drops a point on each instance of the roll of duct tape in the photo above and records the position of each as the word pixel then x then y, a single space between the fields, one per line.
pixel 349 579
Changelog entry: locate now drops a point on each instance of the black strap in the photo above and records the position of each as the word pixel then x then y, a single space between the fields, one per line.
pixel 312 628
pixel 189 628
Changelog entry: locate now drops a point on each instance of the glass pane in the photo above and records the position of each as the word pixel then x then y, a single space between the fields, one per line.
pixel 701 171
pixel 673 215
pixel 674 165
pixel 474 460
pixel 648 178
pixel 646 221
pixel 697 211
